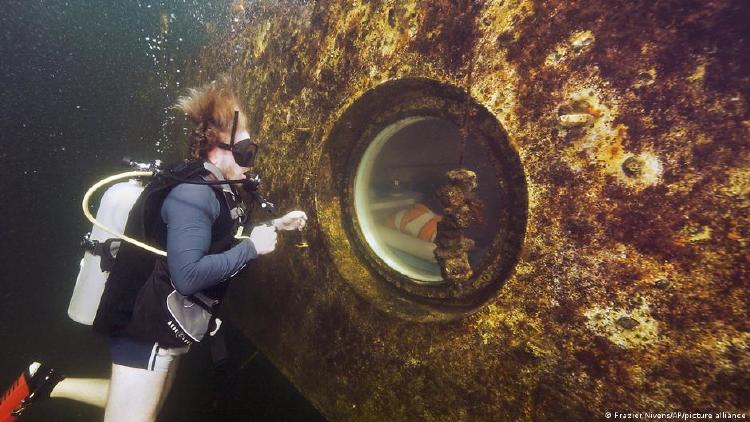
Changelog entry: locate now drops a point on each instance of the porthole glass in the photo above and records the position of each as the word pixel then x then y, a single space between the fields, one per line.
pixel 394 193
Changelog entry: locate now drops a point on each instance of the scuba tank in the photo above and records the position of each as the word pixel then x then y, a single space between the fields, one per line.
pixel 101 249
pixel 103 243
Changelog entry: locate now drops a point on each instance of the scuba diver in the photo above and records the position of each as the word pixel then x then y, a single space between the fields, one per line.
pixel 153 308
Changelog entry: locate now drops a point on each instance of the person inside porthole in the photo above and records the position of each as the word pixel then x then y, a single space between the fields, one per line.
pixel 406 166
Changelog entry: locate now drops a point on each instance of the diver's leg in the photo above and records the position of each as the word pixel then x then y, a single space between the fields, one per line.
pixel 171 373
pixel 134 394
pixel 86 390
pixel 34 384
pixel 141 375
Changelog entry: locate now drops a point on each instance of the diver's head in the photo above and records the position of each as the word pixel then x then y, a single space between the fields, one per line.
pixel 238 152
pixel 233 154
pixel 220 134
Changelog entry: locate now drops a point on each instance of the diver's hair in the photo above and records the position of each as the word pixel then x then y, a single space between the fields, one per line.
pixel 211 109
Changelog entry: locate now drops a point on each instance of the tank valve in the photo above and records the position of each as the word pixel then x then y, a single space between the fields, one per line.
pixel 153 166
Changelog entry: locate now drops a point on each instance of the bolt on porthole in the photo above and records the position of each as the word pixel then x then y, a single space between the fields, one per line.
pixel 408 199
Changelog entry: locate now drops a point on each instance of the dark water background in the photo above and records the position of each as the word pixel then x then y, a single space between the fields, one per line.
pixel 85 83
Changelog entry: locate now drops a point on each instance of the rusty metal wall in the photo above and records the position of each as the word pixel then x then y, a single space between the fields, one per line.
pixel 631 122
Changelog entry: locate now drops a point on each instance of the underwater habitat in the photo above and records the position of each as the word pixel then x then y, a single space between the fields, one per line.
pixel 518 210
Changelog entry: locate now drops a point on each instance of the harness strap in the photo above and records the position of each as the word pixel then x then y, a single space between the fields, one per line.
pixel 236 211
pixel 210 305
pixel 106 250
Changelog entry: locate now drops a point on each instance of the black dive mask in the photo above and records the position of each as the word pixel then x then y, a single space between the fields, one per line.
pixel 244 151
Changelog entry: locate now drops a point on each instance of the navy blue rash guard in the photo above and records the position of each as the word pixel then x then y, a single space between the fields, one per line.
pixel 189 212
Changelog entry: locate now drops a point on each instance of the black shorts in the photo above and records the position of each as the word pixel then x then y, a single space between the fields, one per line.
pixel 127 351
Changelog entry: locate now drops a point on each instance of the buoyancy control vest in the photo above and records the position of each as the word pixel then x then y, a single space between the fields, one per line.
pixel 138 276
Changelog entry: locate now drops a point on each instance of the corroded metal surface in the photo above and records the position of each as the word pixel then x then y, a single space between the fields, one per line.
pixel 631 290
pixel 460 210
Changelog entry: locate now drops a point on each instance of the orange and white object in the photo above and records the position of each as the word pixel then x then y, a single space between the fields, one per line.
pixel 418 221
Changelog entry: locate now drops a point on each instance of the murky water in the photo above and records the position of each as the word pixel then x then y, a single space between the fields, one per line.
pixel 85 83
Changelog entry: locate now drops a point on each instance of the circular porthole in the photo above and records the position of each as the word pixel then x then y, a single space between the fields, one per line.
pixel 384 163
pixel 394 194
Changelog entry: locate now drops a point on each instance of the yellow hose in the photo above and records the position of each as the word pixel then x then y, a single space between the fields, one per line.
pixel 91 218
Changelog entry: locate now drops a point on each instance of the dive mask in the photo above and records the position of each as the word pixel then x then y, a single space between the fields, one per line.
pixel 244 151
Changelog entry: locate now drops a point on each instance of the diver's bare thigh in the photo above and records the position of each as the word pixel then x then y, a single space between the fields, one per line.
pixel 172 372
pixel 134 394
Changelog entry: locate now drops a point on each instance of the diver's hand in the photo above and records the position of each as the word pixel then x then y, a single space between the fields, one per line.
pixel 264 239
pixel 294 220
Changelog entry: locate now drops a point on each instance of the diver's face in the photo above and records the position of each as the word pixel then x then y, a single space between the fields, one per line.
pixel 224 159
pixel 241 136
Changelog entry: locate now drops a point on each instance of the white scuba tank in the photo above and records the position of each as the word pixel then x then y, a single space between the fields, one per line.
pixel 113 211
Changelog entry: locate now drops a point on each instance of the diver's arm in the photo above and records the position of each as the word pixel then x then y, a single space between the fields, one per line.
pixel 189 212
